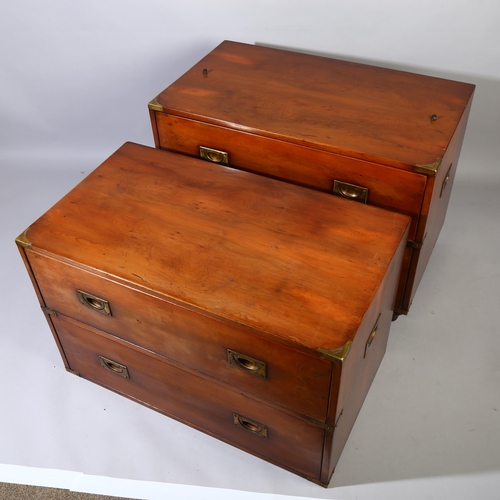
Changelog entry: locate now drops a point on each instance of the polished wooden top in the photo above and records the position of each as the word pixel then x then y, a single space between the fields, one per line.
pixel 295 264
pixel 358 110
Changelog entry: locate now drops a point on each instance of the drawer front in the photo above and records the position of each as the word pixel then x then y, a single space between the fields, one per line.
pixel 388 187
pixel 265 368
pixel 271 434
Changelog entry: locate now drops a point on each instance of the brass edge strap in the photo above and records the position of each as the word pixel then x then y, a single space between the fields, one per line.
pixel 155 105
pixel 22 241
pixel 338 355
pixel 431 169
pixel 414 244
pixel 320 424
pixel 397 310
pixel 47 310
pixel 73 372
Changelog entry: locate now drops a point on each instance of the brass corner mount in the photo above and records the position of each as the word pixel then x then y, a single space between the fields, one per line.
pixel 336 356
pixel 155 105
pixel 23 241
pixel 430 169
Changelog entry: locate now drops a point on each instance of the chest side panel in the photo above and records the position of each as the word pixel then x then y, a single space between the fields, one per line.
pixel 435 204
pixel 352 378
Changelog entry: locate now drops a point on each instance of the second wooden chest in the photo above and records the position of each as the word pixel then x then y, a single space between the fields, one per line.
pixel 388 138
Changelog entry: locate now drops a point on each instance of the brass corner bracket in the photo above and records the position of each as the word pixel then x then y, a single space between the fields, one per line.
pixel 414 244
pixel 318 423
pixel 431 169
pixel 155 105
pixel 49 311
pixel 338 355
pixel 73 372
pixel 399 311
pixel 23 241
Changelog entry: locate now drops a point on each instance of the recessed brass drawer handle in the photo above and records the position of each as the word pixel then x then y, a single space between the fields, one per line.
pixel 350 191
pixel 214 155
pixel 114 367
pixel 244 362
pixel 250 425
pixel 371 337
pixel 95 303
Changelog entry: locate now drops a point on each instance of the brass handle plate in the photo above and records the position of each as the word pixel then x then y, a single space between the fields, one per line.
pixel 371 337
pixel 93 302
pixel 246 363
pixel 350 191
pixel 250 425
pixel 445 181
pixel 214 155
pixel 114 367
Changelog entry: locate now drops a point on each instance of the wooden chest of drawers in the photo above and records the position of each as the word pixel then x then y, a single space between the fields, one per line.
pixel 251 309
pixel 387 138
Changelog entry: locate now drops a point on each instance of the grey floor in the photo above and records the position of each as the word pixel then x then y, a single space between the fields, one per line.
pixel 9 491
pixel 430 424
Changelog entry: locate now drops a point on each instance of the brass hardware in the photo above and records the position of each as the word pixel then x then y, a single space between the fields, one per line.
pixel 317 423
pixel 250 425
pixel 22 241
pixel 114 367
pixel 244 362
pixel 431 169
pixel 214 155
pixel 95 303
pixel 398 310
pixel 434 118
pixel 205 72
pixel 336 356
pixel 414 244
pixel 155 105
pixel 46 310
pixel 350 191
pixel 445 181
pixel 371 337
pixel 73 372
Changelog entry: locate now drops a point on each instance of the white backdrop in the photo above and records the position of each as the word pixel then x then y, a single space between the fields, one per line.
pixel 77 75
pixel 75 80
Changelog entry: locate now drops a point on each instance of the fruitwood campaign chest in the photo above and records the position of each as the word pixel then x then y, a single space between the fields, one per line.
pixel 379 136
pixel 251 309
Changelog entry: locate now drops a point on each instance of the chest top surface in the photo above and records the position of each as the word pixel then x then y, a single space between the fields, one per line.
pixel 294 263
pixel 367 112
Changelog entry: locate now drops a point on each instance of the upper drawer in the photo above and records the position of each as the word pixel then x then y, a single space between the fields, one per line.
pixel 254 364
pixel 390 188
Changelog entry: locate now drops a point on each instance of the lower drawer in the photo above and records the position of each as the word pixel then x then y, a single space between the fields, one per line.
pixel 273 435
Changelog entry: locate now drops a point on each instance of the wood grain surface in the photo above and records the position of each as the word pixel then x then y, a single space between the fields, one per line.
pixel 295 264
pixel 363 111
